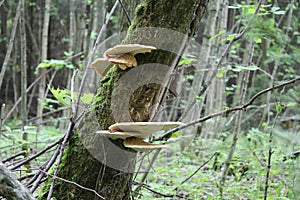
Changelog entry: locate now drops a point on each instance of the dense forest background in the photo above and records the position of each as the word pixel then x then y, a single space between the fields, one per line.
pixel 237 89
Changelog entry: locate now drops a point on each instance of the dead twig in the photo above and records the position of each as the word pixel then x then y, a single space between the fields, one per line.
pixel 147 187
pixel 196 171
pixel 74 183
pixel 14 156
pixel 36 155
pixel 229 110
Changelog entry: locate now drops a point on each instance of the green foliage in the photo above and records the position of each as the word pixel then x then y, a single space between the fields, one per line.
pixel 246 176
pixel 13 131
pixel 237 68
pixel 65 97
pixel 56 64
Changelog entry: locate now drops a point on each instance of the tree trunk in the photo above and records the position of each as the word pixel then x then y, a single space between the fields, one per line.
pixel 42 84
pixel 10 188
pixel 111 173
pixel 23 77
pixel 10 44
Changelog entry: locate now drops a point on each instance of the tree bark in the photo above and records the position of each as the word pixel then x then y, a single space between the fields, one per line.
pixel 10 188
pixel 103 176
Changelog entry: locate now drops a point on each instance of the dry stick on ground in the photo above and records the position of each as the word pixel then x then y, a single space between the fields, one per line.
pixel 196 171
pixel 38 178
pixel 13 156
pixel 75 117
pixel 155 192
pixel 229 110
pixel 36 155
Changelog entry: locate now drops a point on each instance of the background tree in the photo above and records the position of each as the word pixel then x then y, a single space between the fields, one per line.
pixel 238 93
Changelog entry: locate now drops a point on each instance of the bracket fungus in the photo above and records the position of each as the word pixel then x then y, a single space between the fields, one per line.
pixel 133 133
pixel 122 55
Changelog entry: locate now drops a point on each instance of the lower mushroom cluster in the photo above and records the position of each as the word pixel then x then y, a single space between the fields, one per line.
pixel 133 133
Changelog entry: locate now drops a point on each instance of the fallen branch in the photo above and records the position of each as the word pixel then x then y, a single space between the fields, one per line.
pixel 37 154
pixel 10 188
pixel 155 192
pixel 196 171
pixel 14 156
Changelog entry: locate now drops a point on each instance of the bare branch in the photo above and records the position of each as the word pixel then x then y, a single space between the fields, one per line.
pixel 229 110
pixel 36 155
pixel 196 171
pixel 74 183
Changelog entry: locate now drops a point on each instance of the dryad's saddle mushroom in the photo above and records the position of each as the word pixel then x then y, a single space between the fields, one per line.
pixel 122 55
pixel 133 133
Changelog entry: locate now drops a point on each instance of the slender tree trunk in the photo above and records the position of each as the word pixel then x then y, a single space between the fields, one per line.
pixel 10 44
pixel 217 20
pixel 78 164
pixel 42 84
pixel 23 75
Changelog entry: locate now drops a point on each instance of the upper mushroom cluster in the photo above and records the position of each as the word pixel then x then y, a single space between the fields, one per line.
pixel 133 133
pixel 122 55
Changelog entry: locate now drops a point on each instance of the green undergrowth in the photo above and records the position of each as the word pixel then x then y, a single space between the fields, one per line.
pixel 246 175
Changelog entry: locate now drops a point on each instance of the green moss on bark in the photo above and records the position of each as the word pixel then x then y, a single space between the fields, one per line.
pixel 78 164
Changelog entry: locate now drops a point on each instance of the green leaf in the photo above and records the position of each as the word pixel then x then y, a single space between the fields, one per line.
pixel 87 98
pixel 221 72
pixel 277 11
pixel 57 64
pixel 278 107
pixel 176 134
pixel 251 68
pixel 217 35
pixel 63 96
pixel 184 61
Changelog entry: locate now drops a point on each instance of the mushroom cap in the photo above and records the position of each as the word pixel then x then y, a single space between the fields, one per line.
pixel 139 145
pixel 101 66
pixel 128 48
pixel 144 128
pixel 125 59
pixel 117 134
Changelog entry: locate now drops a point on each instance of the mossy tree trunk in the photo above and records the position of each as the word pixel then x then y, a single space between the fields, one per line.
pixel 78 164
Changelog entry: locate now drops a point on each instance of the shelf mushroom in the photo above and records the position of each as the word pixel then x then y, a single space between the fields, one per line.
pixel 122 55
pixel 133 133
